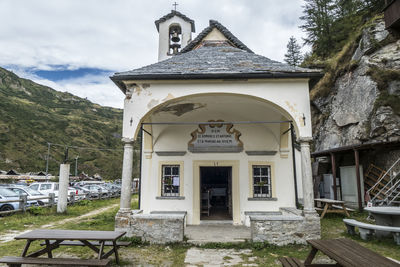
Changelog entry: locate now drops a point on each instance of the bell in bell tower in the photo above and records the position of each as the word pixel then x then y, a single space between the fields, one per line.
pixel 175 35
pixel 175 32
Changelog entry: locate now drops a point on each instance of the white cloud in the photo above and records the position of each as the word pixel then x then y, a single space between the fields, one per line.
pixel 120 34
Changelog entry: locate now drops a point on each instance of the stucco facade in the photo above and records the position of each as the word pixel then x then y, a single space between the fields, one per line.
pixel 214 123
pixel 251 101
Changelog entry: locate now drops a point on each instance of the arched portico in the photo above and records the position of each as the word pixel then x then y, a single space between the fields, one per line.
pixel 289 98
pixel 173 117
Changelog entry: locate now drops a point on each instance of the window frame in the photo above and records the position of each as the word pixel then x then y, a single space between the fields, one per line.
pixel 168 174
pixel 272 192
pixel 263 181
pixel 179 194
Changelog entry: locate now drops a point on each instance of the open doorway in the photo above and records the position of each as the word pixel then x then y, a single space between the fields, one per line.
pixel 216 193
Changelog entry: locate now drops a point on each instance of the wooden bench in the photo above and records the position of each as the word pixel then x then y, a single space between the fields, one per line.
pixel 94 243
pixel 366 230
pixel 17 261
pixel 291 262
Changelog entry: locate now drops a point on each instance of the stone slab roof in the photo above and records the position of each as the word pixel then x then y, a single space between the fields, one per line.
pixel 216 61
pixel 172 14
pixel 215 24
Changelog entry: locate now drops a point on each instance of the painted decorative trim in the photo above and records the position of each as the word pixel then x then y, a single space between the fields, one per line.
pixel 170 198
pixel 284 152
pixel 261 153
pixel 235 187
pixel 262 199
pixel 170 153
pixel 147 154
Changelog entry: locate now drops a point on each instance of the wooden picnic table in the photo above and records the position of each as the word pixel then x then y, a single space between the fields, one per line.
pixel 346 253
pixel 332 206
pixel 53 238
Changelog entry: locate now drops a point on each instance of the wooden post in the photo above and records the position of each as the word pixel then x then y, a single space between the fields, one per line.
pixel 52 199
pixel 72 198
pixel 23 202
pixel 357 161
pixel 333 163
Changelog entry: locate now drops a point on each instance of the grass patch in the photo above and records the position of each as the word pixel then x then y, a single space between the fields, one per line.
pixel 42 216
pixel 383 77
pixel 263 254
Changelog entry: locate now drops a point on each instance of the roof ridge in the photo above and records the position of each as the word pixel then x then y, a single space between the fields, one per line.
pixel 229 35
pixel 172 14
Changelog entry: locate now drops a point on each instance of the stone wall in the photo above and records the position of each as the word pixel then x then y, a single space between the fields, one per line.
pixel 123 221
pixel 158 228
pixel 288 228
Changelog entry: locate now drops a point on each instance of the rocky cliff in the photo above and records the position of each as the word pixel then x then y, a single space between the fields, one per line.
pixel 358 100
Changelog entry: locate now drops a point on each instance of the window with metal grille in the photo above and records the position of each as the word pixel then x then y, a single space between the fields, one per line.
pixel 262 181
pixel 170 180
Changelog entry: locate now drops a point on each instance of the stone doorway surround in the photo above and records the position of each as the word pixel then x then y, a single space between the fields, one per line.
pixel 234 164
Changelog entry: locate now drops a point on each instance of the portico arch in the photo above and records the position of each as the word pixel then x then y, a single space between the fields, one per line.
pixel 268 104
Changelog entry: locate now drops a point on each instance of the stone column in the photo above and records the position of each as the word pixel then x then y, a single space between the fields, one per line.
pixel 63 183
pixel 126 193
pixel 122 219
pixel 308 192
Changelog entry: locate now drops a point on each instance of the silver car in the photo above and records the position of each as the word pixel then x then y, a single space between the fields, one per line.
pixel 7 194
pixel 31 193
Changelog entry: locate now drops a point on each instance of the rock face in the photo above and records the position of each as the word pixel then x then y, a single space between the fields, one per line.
pixel 356 110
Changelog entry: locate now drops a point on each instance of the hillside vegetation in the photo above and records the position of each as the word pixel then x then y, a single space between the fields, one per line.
pixel 32 115
pixel 358 99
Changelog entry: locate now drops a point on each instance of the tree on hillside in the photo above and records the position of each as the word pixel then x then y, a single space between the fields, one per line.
pixel 318 19
pixel 344 8
pixel 293 56
pixel 330 23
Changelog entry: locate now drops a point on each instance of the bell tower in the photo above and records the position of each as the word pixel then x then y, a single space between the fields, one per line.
pixel 175 32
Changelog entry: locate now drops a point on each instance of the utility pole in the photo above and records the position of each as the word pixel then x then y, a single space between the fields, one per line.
pixel 47 160
pixel 76 166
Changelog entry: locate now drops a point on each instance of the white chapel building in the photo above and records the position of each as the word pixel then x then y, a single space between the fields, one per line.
pixel 215 123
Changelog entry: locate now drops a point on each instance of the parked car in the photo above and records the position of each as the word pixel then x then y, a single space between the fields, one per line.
pixel 31 193
pixel 47 188
pixel 113 189
pixel 28 202
pixel 95 190
pixel 7 194
pixel 82 190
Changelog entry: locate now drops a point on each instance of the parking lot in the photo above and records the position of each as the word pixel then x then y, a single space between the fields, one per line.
pixel 20 197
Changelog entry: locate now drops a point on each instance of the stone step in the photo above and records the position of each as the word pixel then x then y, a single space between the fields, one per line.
pixel 206 241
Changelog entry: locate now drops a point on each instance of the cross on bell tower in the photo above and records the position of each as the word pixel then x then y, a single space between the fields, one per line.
pixel 175 32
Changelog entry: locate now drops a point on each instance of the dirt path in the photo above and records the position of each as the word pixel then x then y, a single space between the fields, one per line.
pixel 9 236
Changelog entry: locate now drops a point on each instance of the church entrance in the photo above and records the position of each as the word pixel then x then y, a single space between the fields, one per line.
pixel 216 193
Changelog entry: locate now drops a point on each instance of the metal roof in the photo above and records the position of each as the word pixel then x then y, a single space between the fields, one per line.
pixel 368 145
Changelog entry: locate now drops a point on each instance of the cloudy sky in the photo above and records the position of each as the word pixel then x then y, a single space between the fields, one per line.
pixel 75 45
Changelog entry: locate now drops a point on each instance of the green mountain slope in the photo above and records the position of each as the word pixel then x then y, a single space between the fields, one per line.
pixel 31 115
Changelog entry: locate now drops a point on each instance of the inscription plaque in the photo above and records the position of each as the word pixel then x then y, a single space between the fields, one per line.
pixel 215 138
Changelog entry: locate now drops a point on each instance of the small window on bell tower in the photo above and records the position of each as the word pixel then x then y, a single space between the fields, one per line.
pixel 175 39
